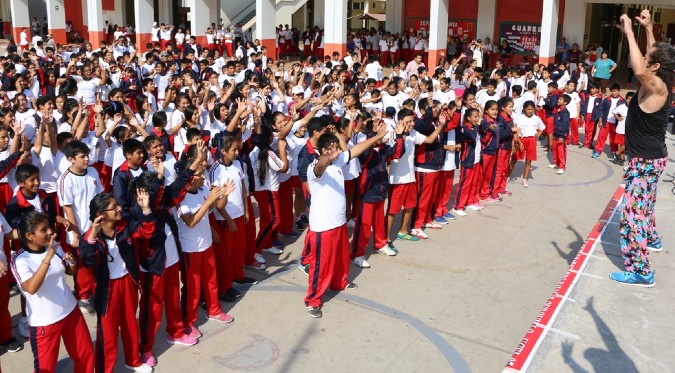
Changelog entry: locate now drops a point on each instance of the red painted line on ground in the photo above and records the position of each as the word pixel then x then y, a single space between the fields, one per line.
pixel 523 355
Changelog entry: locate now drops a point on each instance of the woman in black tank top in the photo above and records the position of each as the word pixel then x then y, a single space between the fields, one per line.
pixel 647 152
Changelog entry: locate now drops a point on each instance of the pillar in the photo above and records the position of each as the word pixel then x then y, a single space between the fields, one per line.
pixel 95 23
pixel 165 11
pixel 574 24
pixel 56 18
pixel 20 19
pixel 485 22
pixel 438 32
pixel 319 7
pixel 335 28
pixel 265 25
pixel 201 17
pixel 549 28
pixel 394 20
pixel 143 14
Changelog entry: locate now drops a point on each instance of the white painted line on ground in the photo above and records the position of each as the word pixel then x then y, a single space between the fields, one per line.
pixel 564 333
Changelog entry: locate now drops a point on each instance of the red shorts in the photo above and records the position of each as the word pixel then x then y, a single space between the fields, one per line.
pixel 620 139
pixel 529 150
pixel 402 196
pixel 549 125
pixel 295 182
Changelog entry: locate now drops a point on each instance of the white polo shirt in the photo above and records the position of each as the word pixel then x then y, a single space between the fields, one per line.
pixel 529 125
pixel 328 195
pixel 77 191
pixel 220 175
pixel 197 239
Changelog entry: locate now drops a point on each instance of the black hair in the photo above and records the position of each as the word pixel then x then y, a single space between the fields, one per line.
pixel 24 171
pixel 315 125
pixel 43 100
pixel 469 112
pixel 615 87
pixel 99 204
pixel 566 99
pixel 74 148
pixel 68 87
pixel 159 119
pixel 527 104
pixel 326 140
pixel 489 104
pixel 517 89
pixel 131 145
pixel 264 146
pixel 29 223
pixel 553 85
pixel 664 54
pixel 191 133
pixel 404 113
pixel 504 102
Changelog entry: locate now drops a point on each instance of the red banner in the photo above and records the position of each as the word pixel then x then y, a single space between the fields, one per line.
pixel 457 28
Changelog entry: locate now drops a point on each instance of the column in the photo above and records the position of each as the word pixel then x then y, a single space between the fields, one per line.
pixel 143 14
pixel 201 17
pixel 56 19
pixel 549 28
pixel 20 19
pixel 318 19
pixel 95 23
pixel 265 25
pixel 165 11
pixel 438 32
pixel 485 24
pixel 574 23
pixel 335 28
pixel 394 21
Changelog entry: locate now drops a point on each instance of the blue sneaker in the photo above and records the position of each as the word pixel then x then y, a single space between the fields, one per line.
pixel 392 247
pixel 293 234
pixel 278 244
pixel 407 237
pixel 440 220
pixel 633 278
pixel 449 216
pixel 655 246
pixel 595 154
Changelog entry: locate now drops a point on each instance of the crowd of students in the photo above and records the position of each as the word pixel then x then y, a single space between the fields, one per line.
pixel 137 171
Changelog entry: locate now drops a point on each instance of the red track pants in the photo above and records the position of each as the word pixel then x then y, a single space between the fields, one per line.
pixel 160 292
pixel 426 189
pixel 574 131
pixel 560 153
pixel 199 278
pixel 268 208
pixel 503 159
pixel 286 207
pixel 328 261
pixel 488 169
pixel 590 128
pixel 371 217
pixel 250 234
pixel 444 191
pixel 467 188
pixel 608 130
pixel 45 342
pixel 230 253
pixel 120 317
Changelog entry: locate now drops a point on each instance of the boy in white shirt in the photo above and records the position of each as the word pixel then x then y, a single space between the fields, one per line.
pixel 620 139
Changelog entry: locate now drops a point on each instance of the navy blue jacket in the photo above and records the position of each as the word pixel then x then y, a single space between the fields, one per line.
pixel 550 103
pixel 561 123
pixel 597 112
pixel 467 137
pixel 489 138
pixel 607 104
pixel 505 131
pixel 121 179
pixel 374 180
pixel 428 156
pixel 306 156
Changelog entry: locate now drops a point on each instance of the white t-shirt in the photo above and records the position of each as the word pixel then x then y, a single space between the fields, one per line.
pixel 621 125
pixel 54 300
pixel 46 161
pixel 529 125
pixel 87 89
pixel 220 175
pixel 274 165
pixel 77 191
pixel 449 163
pixel 197 239
pixel 328 195
pixel 613 101
pixel 402 169
pixel 169 169
pixel 116 267
pixel 444 97
pixel 5 228
pixel 572 106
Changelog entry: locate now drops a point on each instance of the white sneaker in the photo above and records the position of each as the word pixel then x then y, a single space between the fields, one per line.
pixel 419 234
pixel 459 212
pixel 143 368
pixel 23 327
pixel 474 207
pixel 386 250
pixel 351 223
pixel 259 258
pixel 552 166
pixel 273 250
pixel 361 262
pixel 560 171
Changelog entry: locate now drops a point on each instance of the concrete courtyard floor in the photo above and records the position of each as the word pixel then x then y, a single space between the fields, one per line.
pixel 461 301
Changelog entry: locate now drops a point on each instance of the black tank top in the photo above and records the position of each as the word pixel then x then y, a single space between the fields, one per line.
pixel 646 132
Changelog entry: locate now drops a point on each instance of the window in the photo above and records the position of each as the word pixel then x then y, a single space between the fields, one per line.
pixel 357 6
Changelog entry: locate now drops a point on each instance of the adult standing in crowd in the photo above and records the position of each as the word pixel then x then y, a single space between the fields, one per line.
pixel 646 124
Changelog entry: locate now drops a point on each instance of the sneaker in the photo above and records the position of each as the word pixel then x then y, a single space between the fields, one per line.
pixel 193 332
pixel 386 250
pixel 654 246
pixel 221 318
pixel 278 244
pixel 183 340
pixel 315 312
pixel 259 258
pixel 246 281
pixel 560 171
pixel 351 223
pixel 304 220
pixel 256 265
pixel 361 262
pixel 475 207
pixel 406 236
pixel 351 286
pixel 433 225
pixel 293 234
pixel 391 246
pixel 461 213
pixel 23 327
pixel 449 216
pixel 419 234
pixel 506 192
pixel 581 146
pixel 143 368
pixel 148 359
pixel 632 278
pixel 230 295
pixel 11 345
pixel 304 268
pixel 525 184
pixel 440 220
pixel 85 306
pixel 492 200
pixel 552 166
pixel 299 225
pixel 595 154
pixel 273 250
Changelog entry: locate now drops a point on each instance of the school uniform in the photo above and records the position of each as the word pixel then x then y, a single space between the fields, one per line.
pixel 608 128
pixel 113 261
pixel 122 176
pixel 52 313
pixel 574 115
pixel 267 196
pixel 591 108
pixel 428 163
pixel 469 178
pixel 550 103
pixel 489 148
pixel 561 130
pixel 328 244
pixel 529 127
pixel 5 317
pixel 505 124
pixel 447 173
pixel 372 188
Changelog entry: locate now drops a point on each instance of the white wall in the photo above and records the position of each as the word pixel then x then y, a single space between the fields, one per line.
pixel 394 18
pixel 574 23
pixel 485 24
